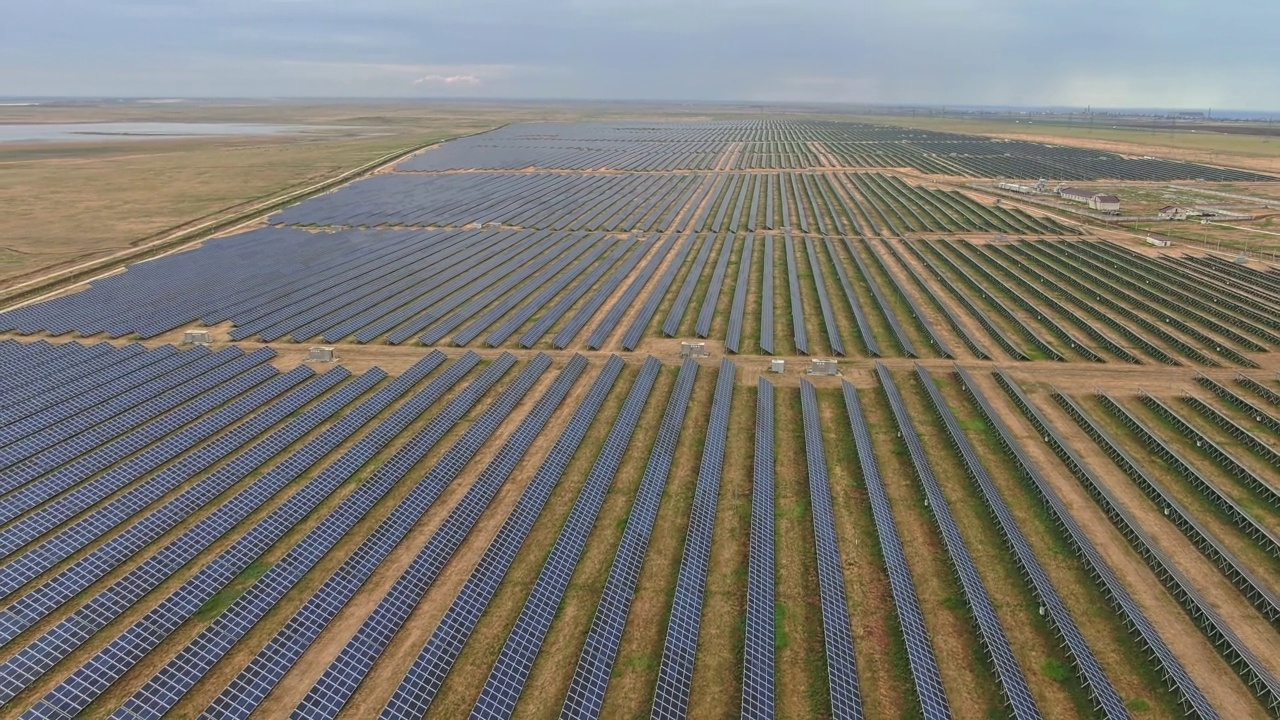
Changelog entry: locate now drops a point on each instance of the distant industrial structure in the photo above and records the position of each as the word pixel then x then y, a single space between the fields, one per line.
pixel 1095 200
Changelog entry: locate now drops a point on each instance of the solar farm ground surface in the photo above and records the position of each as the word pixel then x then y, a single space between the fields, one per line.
pixel 1044 484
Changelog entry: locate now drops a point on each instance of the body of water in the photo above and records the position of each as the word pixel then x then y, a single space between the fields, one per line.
pixel 70 132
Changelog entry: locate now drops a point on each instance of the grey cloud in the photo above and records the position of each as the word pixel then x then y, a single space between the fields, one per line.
pixel 1117 52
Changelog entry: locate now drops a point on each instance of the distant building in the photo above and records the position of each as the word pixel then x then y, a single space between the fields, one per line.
pixel 1171 212
pixel 1105 203
pixel 1095 200
pixel 1075 194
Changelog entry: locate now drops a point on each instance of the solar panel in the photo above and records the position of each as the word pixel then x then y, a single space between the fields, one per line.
pixel 415 692
pixel 595 664
pixel 760 646
pixel 56 643
pixel 837 627
pixel 920 657
pixel 199 656
pixel 675 672
pixel 507 678
pixel 1193 700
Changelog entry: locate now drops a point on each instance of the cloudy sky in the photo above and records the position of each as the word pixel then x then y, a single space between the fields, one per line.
pixel 1174 53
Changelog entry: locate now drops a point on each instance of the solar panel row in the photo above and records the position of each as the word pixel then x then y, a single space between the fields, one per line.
pixel 418 688
pixel 798 332
pixel 37 657
pixel 738 309
pixel 824 300
pixel 595 663
pixel 991 632
pixel 837 627
pixel 1175 675
pixel 675 671
pixel 624 303
pixel 920 656
pixel 706 315
pixel 507 678
pixel 1106 699
pixel 164 688
pixel 759 682
pixel 766 299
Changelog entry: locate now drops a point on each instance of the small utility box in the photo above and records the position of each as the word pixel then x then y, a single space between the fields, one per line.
pixel 778 366
pixel 196 337
pixel 321 354
pixel 823 366
pixel 693 349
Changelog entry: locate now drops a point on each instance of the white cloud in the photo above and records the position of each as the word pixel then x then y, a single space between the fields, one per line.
pixel 448 80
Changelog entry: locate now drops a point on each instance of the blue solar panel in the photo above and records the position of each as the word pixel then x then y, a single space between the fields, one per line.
pixel 507 678
pixel 920 657
pixel 595 664
pixel 675 673
pixel 413 696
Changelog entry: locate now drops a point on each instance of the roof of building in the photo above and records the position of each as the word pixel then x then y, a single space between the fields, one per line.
pixel 1077 192
pixel 1106 198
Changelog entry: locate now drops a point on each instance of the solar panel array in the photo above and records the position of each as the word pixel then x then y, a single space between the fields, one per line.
pixel 1131 613
pixel 348 670
pixel 627 299
pixel 595 664
pixel 671 325
pixel 922 320
pixel 1216 452
pixel 647 146
pixel 92 678
pixel 649 202
pixel 47 597
pixel 995 642
pixel 419 686
pixel 156 697
pixel 920 656
pixel 798 332
pixel 1253 588
pixel 837 627
pixel 675 671
pixel 1235 651
pixel 507 678
pixel 766 299
pixel 1107 700
pixel 759 682
pixel 738 309
pixel 87 494
pixel 886 310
